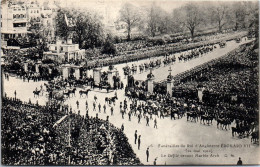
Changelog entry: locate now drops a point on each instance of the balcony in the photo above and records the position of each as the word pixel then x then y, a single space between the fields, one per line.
pixel 20 20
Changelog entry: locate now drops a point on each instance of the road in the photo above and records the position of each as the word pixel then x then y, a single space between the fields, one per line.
pixel 172 136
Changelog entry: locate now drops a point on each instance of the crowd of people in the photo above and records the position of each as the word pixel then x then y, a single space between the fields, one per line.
pixel 157 50
pixel 232 100
pixel 237 71
pixel 128 51
pixel 33 135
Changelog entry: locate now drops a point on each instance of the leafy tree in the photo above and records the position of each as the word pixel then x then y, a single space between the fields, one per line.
pixel 84 28
pixel 62 30
pixel 109 47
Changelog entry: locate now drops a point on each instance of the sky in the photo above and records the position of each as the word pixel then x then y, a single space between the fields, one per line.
pixel 110 8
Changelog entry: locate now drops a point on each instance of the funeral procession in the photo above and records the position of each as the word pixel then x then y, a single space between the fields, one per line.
pixel 120 82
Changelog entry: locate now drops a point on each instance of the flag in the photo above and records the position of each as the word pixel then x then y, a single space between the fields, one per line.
pixel 66 19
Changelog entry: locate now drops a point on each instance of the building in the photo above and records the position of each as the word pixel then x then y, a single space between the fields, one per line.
pixel 64 52
pixel 34 12
pixel 20 19
pixel 13 21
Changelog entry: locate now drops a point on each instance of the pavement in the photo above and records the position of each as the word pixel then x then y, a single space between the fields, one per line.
pixel 175 142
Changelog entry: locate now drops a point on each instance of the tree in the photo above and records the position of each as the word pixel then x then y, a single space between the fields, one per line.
pixel 62 30
pixel 254 23
pixel 84 28
pixel 239 14
pixel 109 47
pixel 164 22
pixel 193 17
pixel 129 14
pixel 178 17
pixel 153 20
pixel 220 15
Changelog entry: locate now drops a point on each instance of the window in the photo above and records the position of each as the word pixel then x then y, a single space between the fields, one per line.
pixel 14 16
pixel 19 25
pixel 37 11
pixel 31 11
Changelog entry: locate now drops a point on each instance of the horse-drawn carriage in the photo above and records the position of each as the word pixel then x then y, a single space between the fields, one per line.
pixel 222 44
pixel 126 70
pixel 238 40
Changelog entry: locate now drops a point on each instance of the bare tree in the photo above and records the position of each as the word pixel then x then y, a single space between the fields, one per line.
pixel 239 15
pixel 193 17
pixel 152 20
pixel 164 21
pixel 220 15
pixel 129 14
pixel 178 23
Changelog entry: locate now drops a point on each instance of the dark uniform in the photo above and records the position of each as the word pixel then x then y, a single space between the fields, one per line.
pixel 135 136
pixel 147 154
pixel 239 162
pixel 139 142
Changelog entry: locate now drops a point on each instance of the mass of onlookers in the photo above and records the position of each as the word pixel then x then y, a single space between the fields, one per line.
pixel 233 100
pixel 39 135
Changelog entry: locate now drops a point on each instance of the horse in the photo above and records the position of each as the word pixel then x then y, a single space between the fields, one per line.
pixel 81 92
pixel 111 99
pixel 255 136
pixel 72 91
pixel 239 131
pixel 206 118
pixel 224 123
pixel 36 92
pixel 66 93
pixel 141 68
pixel 192 115
pixel 181 57
pixel 179 113
pixel 134 69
